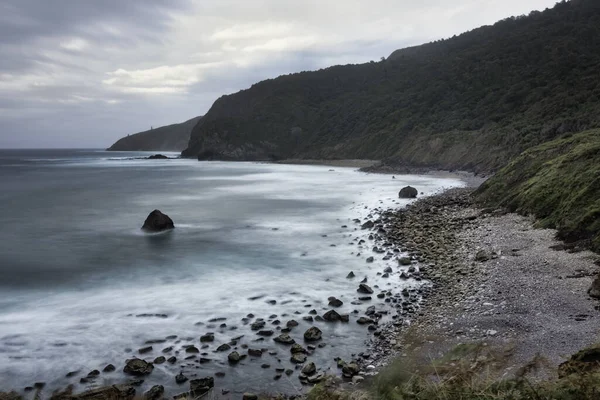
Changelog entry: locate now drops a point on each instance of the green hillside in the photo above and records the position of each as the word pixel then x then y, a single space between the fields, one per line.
pixel 472 101
pixel 166 138
pixel 558 182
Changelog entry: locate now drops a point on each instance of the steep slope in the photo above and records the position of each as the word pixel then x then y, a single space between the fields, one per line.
pixel 472 101
pixel 558 182
pixel 166 138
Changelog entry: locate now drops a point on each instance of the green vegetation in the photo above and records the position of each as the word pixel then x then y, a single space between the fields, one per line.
pixel 472 101
pixel 166 138
pixel 558 182
pixel 473 372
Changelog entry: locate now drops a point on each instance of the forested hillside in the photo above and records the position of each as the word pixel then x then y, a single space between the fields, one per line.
pixel 165 138
pixel 472 101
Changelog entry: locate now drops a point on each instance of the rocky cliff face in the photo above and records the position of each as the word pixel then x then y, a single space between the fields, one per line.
pixel 166 138
pixel 472 101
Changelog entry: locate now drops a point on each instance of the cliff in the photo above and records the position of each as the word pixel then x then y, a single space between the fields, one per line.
pixel 166 138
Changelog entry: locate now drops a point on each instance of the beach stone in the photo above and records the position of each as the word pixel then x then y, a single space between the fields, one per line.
pixel 109 368
pixel 199 387
pixel 155 393
pixel 332 316
pixel 267 332
pixel 145 350
pixel 309 369
pixel 482 256
pixel 192 349
pixel 312 334
pixel 298 358
pixel 157 222
pixel 159 360
pixel 258 325
pixel 370 259
pixel 137 367
pixel 255 352
pixel 364 321
pixel 296 348
pixel 594 290
pixel 367 225
pixel 291 323
pixel 180 378
pixel 209 337
pixel 172 360
pixel 284 338
pixel 224 347
pixel 234 357
pixel 333 302
pixel 404 261
pixel 314 379
pixel 249 396
pixel 350 275
pixel 364 288
pixel 408 192
pixel 350 369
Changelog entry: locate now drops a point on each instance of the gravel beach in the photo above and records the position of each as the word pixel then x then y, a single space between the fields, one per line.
pixel 496 280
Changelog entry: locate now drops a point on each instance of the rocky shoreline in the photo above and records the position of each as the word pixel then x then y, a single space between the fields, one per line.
pixel 436 247
pixel 373 303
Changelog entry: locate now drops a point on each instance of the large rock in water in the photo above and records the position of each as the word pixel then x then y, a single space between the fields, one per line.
pixel 157 222
pixel 408 192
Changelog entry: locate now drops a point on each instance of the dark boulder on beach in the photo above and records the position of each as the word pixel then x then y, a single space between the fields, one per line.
pixel 408 192
pixel 157 222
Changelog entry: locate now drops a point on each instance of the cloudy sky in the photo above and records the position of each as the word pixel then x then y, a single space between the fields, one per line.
pixel 83 73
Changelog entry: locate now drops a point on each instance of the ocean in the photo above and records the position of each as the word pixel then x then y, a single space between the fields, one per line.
pixel 81 286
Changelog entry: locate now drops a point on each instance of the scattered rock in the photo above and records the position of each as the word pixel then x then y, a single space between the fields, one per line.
pixel 312 334
pixel 482 256
pixel 333 302
pixel 284 338
pixel 309 369
pixel 137 367
pixel 199 387
pixel 224 347
pixel 155 393
pixel 332 316
pixel 364 288
pixel 408 192
pixel 108 368
pixel 234 357
pixel 209 337
pixel 180 378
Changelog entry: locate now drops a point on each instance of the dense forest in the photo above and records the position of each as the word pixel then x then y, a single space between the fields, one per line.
pixel 472 101
pixel 173 137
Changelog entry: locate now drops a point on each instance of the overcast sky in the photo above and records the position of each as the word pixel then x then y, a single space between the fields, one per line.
pixel 83 73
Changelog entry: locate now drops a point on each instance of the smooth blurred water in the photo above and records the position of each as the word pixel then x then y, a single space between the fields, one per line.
pixel 75 268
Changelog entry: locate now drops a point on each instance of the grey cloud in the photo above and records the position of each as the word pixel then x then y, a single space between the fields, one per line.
pixel 82 73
